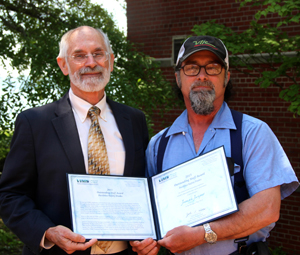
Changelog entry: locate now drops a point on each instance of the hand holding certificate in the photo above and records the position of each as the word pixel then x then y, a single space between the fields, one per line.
pixel 129 208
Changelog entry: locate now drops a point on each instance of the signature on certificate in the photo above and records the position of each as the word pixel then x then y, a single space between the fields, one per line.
pixel 191 200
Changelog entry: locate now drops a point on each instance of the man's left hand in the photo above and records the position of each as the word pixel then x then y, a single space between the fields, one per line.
pixel 147 246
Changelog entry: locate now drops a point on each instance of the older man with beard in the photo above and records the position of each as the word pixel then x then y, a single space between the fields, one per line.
pixel 202 74
pixel 59 138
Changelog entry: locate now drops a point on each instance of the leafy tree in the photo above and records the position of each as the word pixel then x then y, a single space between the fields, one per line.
pixel 29 34
pixel 267 44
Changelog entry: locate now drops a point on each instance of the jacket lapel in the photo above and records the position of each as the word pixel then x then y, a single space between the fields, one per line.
pixel 66 129
pixel 125 127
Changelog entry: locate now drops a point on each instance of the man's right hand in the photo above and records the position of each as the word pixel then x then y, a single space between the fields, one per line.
pixel 68 240
pixel 147 246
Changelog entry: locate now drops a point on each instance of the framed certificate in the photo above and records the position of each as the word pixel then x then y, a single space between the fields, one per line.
pixel 193 193
pixel 110 207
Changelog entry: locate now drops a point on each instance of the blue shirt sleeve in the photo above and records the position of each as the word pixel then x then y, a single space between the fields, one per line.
pixel 265 162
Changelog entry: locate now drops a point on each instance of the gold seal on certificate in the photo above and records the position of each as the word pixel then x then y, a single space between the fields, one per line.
pixel 130 208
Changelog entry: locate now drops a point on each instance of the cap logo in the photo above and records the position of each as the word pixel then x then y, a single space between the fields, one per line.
pixel 204 43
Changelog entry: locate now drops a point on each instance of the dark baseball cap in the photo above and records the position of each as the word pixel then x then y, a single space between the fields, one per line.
pixel 203 42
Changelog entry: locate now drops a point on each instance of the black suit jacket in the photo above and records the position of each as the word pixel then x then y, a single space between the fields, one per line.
pixel 44 147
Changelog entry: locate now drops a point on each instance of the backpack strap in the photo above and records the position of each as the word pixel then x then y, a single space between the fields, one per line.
pixel 240 189
pixel 161 150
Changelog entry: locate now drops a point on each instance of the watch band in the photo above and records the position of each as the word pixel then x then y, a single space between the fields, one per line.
pixel 210 236
pixel 207 227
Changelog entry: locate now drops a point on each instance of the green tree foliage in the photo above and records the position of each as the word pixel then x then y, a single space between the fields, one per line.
pixel 9 243
pixel 264 43
pixel 29 36
pixel 30 31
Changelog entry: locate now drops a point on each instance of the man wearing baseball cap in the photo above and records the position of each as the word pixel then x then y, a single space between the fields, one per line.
pixel 202 74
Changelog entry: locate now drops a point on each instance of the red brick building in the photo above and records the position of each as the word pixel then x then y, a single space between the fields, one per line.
pixel 156 25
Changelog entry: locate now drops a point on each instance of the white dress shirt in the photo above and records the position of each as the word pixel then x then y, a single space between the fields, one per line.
pixel 113 141
pixel 114 146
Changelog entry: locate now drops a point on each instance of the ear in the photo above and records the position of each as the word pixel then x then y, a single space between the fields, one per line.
pixel 112 60
pixel 177 80
pixel 63 65
pixel 228 77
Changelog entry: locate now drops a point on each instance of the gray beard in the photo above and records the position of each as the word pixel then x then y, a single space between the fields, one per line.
pixel 92 84
pixel 202 101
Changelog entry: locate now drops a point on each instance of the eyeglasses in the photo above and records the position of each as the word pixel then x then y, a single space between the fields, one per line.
pixel 210 69
pixel 99 56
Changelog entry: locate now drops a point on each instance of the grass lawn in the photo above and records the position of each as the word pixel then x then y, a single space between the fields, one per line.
pixel 9 243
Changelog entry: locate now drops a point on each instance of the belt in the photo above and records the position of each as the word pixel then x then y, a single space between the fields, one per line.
pixel 125 252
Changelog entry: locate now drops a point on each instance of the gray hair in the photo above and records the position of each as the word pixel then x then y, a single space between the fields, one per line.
pixel 64 42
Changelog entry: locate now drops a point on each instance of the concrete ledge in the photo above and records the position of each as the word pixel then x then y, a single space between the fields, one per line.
pixel 261 58
pixel 164 62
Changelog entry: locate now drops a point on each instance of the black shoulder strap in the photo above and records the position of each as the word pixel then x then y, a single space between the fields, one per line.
pixel 161 150
pixel 236 138
pixel 240 188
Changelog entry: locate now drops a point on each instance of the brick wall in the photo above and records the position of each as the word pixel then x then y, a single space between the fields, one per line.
pixel 153 23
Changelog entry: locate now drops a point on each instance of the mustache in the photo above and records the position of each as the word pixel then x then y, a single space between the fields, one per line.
pixel 203 84
pixel 96 69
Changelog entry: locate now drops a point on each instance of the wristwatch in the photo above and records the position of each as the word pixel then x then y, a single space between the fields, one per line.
pixel 210 236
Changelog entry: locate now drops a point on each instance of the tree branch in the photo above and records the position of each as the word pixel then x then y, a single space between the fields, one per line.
pixel 32 11
pixel 13 26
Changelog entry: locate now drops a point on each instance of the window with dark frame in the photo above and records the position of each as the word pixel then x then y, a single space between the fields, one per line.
pixel 177 42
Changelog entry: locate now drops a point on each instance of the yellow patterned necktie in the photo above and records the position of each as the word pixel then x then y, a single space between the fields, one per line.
pixel 97 156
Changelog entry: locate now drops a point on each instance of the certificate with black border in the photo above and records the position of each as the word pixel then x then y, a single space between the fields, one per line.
pixel 110 207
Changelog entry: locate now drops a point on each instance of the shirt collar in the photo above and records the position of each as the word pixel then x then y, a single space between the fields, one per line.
pixel 81 107
pixel 223 119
